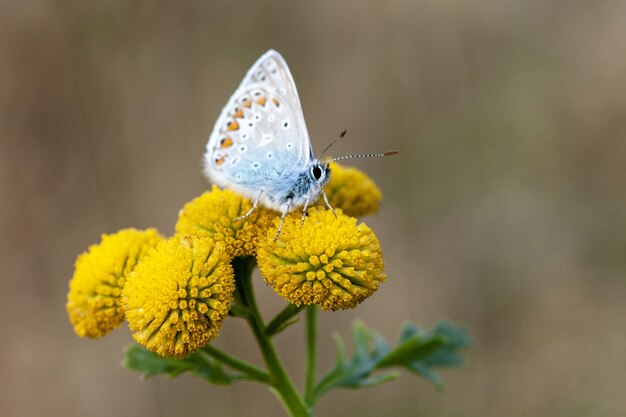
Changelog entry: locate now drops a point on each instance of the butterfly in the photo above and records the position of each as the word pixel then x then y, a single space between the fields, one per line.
pixel 260 146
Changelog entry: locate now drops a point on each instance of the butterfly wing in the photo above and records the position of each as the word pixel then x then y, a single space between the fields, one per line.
pixel 260 136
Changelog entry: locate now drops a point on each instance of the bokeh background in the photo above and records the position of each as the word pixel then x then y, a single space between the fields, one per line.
pixel 505 209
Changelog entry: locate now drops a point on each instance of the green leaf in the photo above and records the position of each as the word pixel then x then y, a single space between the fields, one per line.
pixel 417 350
pixel 372 380
pixel 150 364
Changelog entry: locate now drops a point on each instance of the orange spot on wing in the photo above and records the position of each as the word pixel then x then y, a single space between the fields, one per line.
pixel 219 161
pixel 226 143
pixel 247 103
pixel 276 102
pixel 238 113
pixel 232 126
pixel 262 101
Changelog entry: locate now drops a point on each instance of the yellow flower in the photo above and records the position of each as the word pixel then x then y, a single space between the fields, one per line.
pixel 93 302
pixel 352 191
pixel 212 215
pixel 331 262
pixel 179 295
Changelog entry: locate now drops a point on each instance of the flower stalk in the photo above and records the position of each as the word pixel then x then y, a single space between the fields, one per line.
pixel 250 371
pixel 311 348
pixel 282 385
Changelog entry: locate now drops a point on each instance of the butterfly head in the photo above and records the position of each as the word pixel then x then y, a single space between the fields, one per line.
pixel 319 173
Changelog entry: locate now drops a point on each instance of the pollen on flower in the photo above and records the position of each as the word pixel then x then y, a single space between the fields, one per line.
pixel 352 191
pixel 93 302
pixel 213 215
pixel 179 295
pixel 331 262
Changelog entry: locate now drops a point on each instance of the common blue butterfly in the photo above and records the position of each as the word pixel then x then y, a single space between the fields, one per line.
pixel 260 145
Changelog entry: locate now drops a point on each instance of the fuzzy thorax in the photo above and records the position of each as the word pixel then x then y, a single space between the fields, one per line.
pixel 296 190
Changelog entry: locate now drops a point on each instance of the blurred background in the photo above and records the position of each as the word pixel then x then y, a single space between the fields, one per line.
pixel 504 211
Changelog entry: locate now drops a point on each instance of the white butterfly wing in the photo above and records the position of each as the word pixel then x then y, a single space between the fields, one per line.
pixel 260 136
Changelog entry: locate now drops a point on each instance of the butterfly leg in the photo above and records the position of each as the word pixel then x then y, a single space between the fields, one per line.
pixel 328 204
pixel 254 205
pixel 306 205
pixel 282 218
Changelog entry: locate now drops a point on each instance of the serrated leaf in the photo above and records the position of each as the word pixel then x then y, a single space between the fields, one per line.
pixel 454 338
pixel 430 375
pixel 150 364
pixel 408 330
pixel 417 350
pixel 341 349
pixel 372 380
pixel 412 349
pixel 360 339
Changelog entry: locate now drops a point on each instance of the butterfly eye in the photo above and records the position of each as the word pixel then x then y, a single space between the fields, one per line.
pixel 317 172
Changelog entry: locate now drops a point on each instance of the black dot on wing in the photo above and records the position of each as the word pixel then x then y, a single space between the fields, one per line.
pixel 269 155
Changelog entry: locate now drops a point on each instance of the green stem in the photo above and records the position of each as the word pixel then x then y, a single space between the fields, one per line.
pixel 311 326
pixel 247 368
pixel 283 319
pixel 282 385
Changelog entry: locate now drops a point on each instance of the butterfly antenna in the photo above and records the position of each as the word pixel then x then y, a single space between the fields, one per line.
pixel 341 135
pixel 365 155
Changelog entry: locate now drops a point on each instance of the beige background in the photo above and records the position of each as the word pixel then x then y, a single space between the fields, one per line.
pixel 505 209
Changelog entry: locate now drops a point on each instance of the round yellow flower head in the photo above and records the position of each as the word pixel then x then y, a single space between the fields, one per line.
pixel 352 191
pixel 179 295
pixel 93 302
pixel 331 262
pixel 213 214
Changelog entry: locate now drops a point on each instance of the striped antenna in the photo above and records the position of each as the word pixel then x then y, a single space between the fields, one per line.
pixel 366 155
pixel 341 135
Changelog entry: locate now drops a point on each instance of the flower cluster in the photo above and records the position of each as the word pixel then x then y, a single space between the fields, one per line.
pixel 329 261
pixel 175 293
pixel 352 191
pixel 213 214
pixel 179 295
pixel 94 303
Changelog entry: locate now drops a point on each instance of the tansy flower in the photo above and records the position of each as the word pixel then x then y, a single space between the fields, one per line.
pixel 93 302
pixel 331 262
pixel 352 191
pixel 178 296
pixel 213 214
